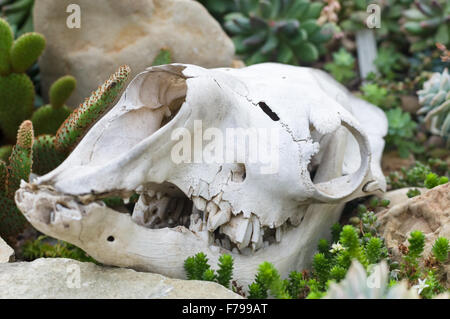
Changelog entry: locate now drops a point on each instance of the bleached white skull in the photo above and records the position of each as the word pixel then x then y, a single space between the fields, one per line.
pixel 324 145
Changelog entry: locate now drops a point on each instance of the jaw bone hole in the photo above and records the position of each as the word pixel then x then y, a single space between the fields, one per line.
pixel 110 239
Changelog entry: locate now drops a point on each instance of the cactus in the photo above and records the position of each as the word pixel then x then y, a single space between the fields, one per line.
pixel 43 154
pixel 276 30
pixel 20 161
pixel 90 111
pixel 16 88
pixel 48 118
pixel 18 14
pixel 164 57
pixel 435 101
pixel 5 152
pixel 428 22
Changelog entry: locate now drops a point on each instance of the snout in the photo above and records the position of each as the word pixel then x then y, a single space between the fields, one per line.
pixel 48 211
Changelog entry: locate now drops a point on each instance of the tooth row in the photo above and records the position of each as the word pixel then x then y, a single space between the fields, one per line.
pixel 246 234
pixel 156 210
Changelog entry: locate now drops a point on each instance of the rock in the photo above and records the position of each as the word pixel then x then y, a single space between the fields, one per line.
pixel 113 33
pixel 429 213
pixel 59 278
pixel 399 196
pixel 6 252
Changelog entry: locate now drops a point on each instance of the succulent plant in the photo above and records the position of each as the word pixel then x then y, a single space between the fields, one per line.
pixel 401 133
pixel 20 162
pixel 357 284
pixel 19 15
pixel 48 118
pixel 343 66
pixel 46 152
pixel 435 101
pixel 428 21
pixel 276 30
pixel 16 88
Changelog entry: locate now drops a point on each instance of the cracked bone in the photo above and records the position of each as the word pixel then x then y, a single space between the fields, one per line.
pixel 320 126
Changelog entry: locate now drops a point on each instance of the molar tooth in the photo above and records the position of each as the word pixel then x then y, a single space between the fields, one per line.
pixel 199 202
pixel 190 191
pixel 140 189
pixel 225 206
pixel 159 195
pixel 218 198
pixel 151 193
pixel 218 219
pixel 278 234
pixel 178 209
pixel 256 229
pixel 239 230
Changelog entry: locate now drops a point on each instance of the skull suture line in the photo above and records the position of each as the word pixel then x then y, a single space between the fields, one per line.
pixel 330 145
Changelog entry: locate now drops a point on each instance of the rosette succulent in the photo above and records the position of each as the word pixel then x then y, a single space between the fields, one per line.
pixel 283 31
pixel 435 101
pixel 429 22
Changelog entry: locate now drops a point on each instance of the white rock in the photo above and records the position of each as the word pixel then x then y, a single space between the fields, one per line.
pixel 115 32
pixel 57 278
pixel 6 252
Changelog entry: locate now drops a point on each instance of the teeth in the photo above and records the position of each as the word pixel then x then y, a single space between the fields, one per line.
pixel 239 230
pixel 278 234
pixel 196 222
pixel 151 193
pixel 218 198
pixel 140 189
pixel 178 209
pixel 199 202
pixel 256 229
pixel 159 195
pixel 226 243
pixel 214 221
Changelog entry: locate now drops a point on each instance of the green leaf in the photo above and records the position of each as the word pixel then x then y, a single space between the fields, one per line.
pixel 307 52
pixel 285 54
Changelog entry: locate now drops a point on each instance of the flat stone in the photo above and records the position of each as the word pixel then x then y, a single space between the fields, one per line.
pixel 113 33
pixel 60 278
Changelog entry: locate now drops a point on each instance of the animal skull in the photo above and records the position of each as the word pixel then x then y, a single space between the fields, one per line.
pixel 329 147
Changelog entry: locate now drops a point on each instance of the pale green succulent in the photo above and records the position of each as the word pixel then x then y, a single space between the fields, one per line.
pixel 358 284
pixel 435 101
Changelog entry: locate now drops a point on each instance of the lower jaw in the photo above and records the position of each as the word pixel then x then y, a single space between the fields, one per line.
pixel 113 238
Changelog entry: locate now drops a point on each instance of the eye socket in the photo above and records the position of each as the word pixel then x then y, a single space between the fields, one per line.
pixel 110 239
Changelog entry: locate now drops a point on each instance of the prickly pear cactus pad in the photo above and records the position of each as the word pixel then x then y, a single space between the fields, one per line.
pixel 16 88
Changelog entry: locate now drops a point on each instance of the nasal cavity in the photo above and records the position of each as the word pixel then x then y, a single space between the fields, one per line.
pixel 266 109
